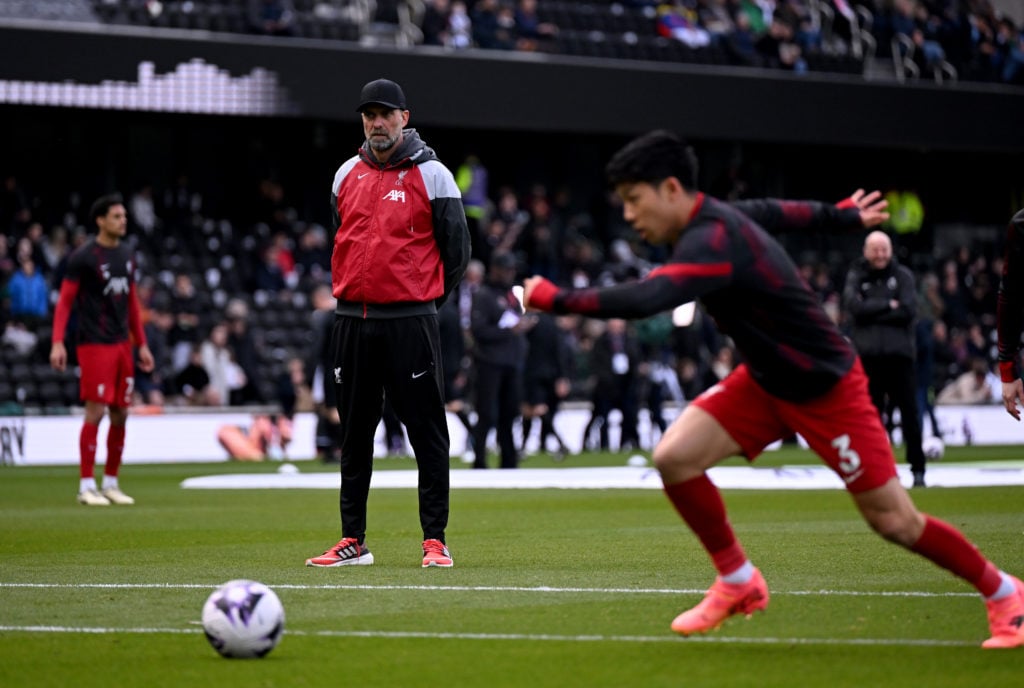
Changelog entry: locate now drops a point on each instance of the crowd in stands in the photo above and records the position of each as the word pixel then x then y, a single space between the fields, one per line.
pixel 228 303
pixel 960 39
pixel 978 42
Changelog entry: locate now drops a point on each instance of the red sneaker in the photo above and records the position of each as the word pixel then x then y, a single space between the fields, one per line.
pixel 1006 619
pixel 436 554
pixel 722 601
pixel 348 552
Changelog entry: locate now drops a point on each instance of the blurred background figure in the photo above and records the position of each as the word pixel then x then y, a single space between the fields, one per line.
pixel 615 361
pixel 499 334
pixel 545 383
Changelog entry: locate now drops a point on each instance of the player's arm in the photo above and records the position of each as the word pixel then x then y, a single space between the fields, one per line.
pixel 61 314
pixel 1010 314
pixel 857 211
pixel 451 228
pixel 138 333
pixel 662 289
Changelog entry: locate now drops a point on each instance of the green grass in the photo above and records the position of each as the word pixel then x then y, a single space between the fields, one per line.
pixel 551 587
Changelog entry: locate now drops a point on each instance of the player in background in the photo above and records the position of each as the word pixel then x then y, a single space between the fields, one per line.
pixel 800 375
pixel 100 286
pixel 1010 315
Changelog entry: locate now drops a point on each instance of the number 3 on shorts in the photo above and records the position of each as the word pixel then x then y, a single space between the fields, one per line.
pixel 849 460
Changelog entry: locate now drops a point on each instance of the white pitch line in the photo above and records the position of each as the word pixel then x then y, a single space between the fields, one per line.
pixel 484 588
pixel 529 637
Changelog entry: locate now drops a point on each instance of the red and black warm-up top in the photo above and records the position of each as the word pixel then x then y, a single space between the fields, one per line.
pixel 401 243
pixel 1010 304
pixel 100 286
pixel 747 283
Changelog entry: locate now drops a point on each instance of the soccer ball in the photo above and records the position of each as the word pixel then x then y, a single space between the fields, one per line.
pixel 933 448
pixel 243 619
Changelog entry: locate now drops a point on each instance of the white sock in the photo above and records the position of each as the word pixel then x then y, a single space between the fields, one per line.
pixel 86 484
pixel 741 575
pixel 1006 587
pixel 109 482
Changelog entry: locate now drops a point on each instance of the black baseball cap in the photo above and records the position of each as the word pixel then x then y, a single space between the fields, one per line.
pixel 382 92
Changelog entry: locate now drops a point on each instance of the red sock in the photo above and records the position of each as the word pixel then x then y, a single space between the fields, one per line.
pixel 87 450
pixel 700 504
pixel 115 447
pixel 948 548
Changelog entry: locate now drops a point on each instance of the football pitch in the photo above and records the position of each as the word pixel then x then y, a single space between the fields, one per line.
pixel 551 587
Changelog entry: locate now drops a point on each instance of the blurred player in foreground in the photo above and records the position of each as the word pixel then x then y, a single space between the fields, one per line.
pixel 100 286
pixel 800 375
pixel 1010 315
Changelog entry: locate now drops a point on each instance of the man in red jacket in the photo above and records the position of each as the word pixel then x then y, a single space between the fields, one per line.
pixel 401 246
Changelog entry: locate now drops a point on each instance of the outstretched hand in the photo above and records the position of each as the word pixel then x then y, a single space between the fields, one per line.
pixel 1012 393
pixel 528 286
pixel 871 206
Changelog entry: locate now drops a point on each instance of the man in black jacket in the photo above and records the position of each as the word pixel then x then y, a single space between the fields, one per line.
pixel 881 299
pixel 499 334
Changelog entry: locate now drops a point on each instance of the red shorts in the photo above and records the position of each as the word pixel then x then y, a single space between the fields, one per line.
pixel 842 426
pixel 108 373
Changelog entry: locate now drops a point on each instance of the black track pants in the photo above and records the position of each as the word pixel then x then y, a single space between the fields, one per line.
pixel 401 358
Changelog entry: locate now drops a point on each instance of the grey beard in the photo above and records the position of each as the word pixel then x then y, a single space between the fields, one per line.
pixel 382 146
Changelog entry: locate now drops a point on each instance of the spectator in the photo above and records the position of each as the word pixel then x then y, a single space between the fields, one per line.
pixel 246 351
pixel 269 275
pixel 271 17
pixel 778 49
pixel 15 211
pixel 185 306
pixel 152 387
pixel 143 210
pixel 226 376
pixel 460 27
pixel 313 256
pixel 29 294
pixel 192 382
pixel 434 26
pixel 34 240
pixel 8 265
pixel 533 34
pixel 488 31
pixel 679 20
pixel 55 248
pixel 979 385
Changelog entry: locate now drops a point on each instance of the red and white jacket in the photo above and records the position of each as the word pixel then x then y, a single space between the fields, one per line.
pixel 401 242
